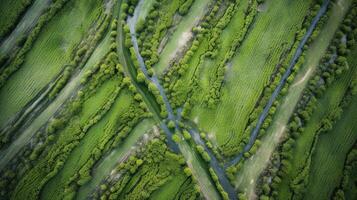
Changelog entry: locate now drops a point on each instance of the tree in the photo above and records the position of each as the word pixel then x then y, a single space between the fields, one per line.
pixel 186 135
pixel 140 77
pixel 176 138
pixel 187 171
pixel 171 124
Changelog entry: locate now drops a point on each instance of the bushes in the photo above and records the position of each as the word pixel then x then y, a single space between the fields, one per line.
pixel 107 142
pixel 11 15
pixel 324 76
pixel 214 176
pixel 348 177
pixel 216 82
pixel 20 56
pixel 275 79
pixel 55 156
pixel 84 50
pixel 184 6
pixel 159 165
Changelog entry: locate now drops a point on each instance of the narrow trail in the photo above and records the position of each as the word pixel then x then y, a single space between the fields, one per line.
pixel 277 90
pixel 307 75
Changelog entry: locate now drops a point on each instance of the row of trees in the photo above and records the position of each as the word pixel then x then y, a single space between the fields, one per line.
pixel 79 57
pixel 219 187
pixel 231 148
pixel 11 16
pixel 45 138
pixel 348 179
pixel 153 28
pixel 216 81
pixel 108 141
pixel 176 89
pixel 307 104
pixel 82 52
pixel 20 56
pixel 153 167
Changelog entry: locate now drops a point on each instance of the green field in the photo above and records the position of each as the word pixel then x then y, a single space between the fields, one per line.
pixel 331 150
pixel 181 35
pixel 10 13
pixel 250 70
pixel 252 168
pixel 178 99
pixel 51 51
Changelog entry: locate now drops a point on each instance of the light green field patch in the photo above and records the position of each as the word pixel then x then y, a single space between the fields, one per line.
pixel 331 150
pixel 90 107
pixel 82 152
pixel 108 163
pixel 332 97
pixel 181 35
pixel 170 189
pixel 50 52
pixel 254 166
pixel 251 69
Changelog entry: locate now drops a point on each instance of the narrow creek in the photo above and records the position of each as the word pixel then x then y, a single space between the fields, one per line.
pixel 131 21
pixel 277 90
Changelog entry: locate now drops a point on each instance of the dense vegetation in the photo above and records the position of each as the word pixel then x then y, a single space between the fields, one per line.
pixel 178 99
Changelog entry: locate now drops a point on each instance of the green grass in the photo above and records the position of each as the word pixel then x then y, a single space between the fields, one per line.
pixel 181 35
pixel 82 152
pixel 90 107
pixel 108 163
pixel 272 34
pixel 331 150
pixel 253 167
pixel 197 166
pixel 170 189
pixel 144 10
pixel 10 11
pixel 301 152
pixel 50 52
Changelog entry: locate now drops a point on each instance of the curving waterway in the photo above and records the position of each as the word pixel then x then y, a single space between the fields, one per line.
pixel 171 116
pixel 132 22
pixel 277 90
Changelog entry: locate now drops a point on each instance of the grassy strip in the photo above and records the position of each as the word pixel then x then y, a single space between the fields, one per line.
pixel 62 147
pixel 82 53
pixel 20 57
pixel 347 188
pixel 306 106
pixel 275 79
pixel 11 12
pixel 54 48
pixel 144 173
pixel 254 174
pixel 112 130
pixel 151 30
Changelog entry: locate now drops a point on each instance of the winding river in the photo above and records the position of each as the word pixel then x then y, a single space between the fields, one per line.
pixel 171 116
pixel 277 90
pixel 195 135
pixel 132 22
